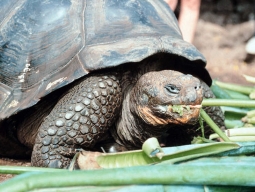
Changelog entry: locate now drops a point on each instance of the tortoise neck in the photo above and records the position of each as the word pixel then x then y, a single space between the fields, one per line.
pixel 130 130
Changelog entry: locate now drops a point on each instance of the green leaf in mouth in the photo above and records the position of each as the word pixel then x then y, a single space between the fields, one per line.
pixel 178 109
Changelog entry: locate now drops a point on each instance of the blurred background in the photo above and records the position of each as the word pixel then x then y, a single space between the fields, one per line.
pixel 222 32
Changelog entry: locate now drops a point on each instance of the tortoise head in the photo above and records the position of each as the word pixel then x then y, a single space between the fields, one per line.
pixel 167 97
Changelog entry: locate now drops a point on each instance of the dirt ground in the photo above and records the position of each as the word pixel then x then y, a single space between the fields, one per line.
pixel 11 162
pixel 222 32
pixel 223 29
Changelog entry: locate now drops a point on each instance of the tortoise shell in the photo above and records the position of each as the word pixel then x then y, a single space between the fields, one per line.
pixel 47 44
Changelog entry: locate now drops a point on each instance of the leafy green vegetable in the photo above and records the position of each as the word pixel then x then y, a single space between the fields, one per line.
pixel 178 109
pixel 172 154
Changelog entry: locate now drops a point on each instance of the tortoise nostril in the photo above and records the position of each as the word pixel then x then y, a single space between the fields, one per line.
pixel 197 87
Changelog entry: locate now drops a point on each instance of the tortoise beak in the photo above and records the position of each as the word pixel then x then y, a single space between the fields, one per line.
pixel 184 114
pixel 182 108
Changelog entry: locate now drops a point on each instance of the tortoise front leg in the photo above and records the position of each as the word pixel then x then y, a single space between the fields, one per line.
pixel 79 120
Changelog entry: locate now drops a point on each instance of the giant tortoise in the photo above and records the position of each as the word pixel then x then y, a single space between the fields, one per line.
pixel 95 73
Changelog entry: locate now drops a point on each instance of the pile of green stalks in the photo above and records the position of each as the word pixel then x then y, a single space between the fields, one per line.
pixel 238 105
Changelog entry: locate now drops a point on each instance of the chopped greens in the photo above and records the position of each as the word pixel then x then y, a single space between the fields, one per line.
pixel 178 109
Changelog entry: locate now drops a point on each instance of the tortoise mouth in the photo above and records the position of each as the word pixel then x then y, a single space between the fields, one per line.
pixel 183 114
pixel 170 114
pixel 178 109
pixel 181 109
pixel 185 106
pixel 178 114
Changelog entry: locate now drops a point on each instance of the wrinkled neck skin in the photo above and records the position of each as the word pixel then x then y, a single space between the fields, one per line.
pixel 130 130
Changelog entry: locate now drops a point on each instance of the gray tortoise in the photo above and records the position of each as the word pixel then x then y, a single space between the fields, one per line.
pixel 95 73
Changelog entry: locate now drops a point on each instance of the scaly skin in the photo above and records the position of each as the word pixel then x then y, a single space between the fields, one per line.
pixel 79 120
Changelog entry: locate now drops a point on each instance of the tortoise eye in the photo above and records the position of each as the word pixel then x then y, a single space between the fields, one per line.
pixel 172 89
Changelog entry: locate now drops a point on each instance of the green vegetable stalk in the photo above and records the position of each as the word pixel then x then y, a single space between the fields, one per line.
pixel 228 102
pixel 234 87
pixel 211 123
pixel 237 135
pixel 185 174
pixel 249 78
pixel 152 148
